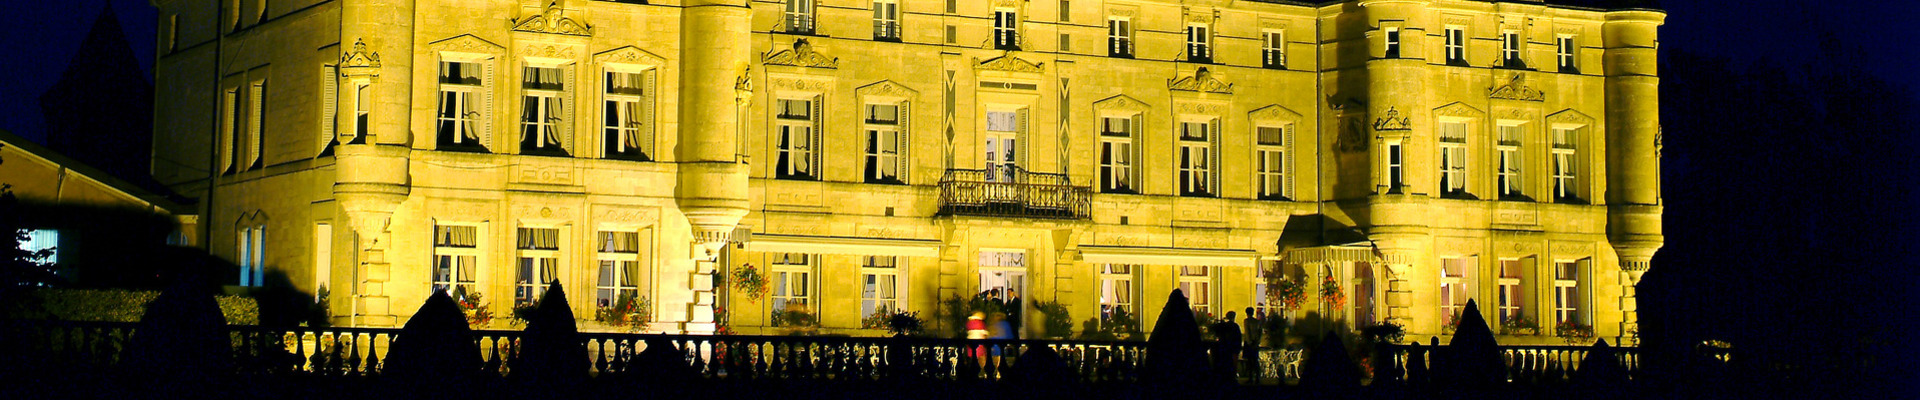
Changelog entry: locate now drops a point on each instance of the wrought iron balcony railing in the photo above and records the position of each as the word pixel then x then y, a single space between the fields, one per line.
pixel 1012 192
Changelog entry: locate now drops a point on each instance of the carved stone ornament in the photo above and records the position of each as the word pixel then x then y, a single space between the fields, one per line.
pixel 743 86
pixel 1008 63
pixel 1461 110
pixel 887 89
pixel 360 61
pixel 1273 113
pixel 802 55
pixel 547 51
pixel 1201 81
pixel 1659 140
pixel 467 44
pixel 1352 138
pixel 1570 117
pixel 1121 104
pixel 1516 89
pixel 1392 121
pixel 629 55
pixel 554 20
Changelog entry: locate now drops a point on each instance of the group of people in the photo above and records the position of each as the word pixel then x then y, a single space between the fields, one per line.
pixel 1234 355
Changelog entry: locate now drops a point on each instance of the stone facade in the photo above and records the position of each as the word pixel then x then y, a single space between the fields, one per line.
pixel 750 137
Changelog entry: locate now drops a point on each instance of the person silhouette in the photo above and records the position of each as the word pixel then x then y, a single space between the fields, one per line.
pixel 1226 346
pixel 1250 351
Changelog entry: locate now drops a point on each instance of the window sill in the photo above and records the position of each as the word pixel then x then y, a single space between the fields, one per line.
pixel 796 178
pixel 1459 195
pixel 543 152
pixel 461 148
pixel 887 181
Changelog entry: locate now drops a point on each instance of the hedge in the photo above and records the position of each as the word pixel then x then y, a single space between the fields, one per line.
pixel 110 305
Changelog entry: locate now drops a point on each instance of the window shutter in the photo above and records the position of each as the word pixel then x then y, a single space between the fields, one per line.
pixel 648 96
pixel 565 124
pixel 901 143
pixel 1529 272
pixel 486 104
pixel 1214 169
pixel 1019 139
pixel 814 169
pixel 228 126
pixel 257 122
pixel 1137 124
pixel 1286 162
pixel 329 107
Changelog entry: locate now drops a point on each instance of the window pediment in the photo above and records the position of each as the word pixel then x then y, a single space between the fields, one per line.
pixel 1008 63
pixel 1392 121
pixel 889 90
pixel 1120 105
pixel 1273 114
pixel 552 20
pixel 360 61
pixel 1459 110
pixel 801 55
pixel 629 55
pixel 469 44
pixel 1516 88
pixel 1570 117
pixel 1202 81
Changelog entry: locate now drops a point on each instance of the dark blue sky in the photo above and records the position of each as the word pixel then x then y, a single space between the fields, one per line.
pixel 45 35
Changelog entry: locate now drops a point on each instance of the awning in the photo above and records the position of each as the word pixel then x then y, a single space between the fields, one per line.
pixel 843 245
pixel 1168 256
pixel 1351 252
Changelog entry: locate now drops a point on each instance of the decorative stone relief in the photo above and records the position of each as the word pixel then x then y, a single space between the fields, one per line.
pixel 1121 104
pixel 548 51
pixel 467 211
pixel 1392 121
pixel 543 174
pixel 553 20
pixel 1461 110
pixel 802 55
pixel 887 89
pixel 743 87
pixel 360 61
pixel 625 214
pixel 1570 117
pixel 1201 81
pixel 1199 108
pixel 1008 63
pixel 1572 248
pixel 1515 217
pixel 1273 113
pixel 466 44
pixel 799 84
pixel 1516 89
pixel 629 55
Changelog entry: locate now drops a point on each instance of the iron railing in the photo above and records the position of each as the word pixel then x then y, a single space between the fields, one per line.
pixel 1012 192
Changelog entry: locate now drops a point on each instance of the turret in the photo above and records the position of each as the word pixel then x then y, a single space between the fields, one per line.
pixel 1633 148
pixel 713 84
pixel 371 162
pixel 1397 221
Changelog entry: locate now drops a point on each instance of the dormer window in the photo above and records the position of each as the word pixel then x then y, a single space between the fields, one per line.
pixel 1510 50
pixel 1006 30
pixel 799 16
pixel 1199 43
pixel 1119 37
pixel 1563 52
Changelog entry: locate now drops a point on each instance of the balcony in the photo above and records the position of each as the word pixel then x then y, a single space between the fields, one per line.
pixel 1012 192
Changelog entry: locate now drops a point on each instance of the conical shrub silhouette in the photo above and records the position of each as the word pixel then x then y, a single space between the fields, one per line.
pixel 1329 367
pixel 552 351
pixel 1174 352
pixel 1600 368
pixel 1473 358
pixel 182 333
pixel 435 347
pixel 1041 368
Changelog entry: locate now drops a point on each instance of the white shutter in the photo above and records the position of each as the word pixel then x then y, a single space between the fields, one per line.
pixel 486 105
pixel 902 142
pixel 814 159
pixel 1286 162
pixel 1020 139
pixel 1135 146
pixel 648 96
pixel 229 126
pixel 567 98
pixel 1214 169
pixel 329 106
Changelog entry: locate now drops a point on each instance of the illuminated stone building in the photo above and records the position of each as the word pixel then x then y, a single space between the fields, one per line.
pixel 861 154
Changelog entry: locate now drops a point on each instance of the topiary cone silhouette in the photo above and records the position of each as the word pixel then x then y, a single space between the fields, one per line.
pixel 553 354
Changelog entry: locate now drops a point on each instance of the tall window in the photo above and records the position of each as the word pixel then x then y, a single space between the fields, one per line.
pixel 1265 304
pixel 251 253
pixel 1455 288
pixel 796 139
pixel 1396 168
pixel 628 115
pixel 1116 155
pixel 1002 143
pixel 1392 43
pixel 459 117
pixel 879 290
pixel 1199 43
pixel 800 16
pixel 322 258
pixel 1563 51
pixel 541 114
pixel 256 126
pixel 792 286
pixel 1273 52
pixel 1196 158
pixel 1197 284
pixel 886 20
pixel 539 263
pixel 1456 45
pixel 1510 50
pixel 456 257
pixel 1453 158
pixel 1567 299
pixel 362 111
pixel 619 271
pixel 1363 289
pixel 1513 296
pixel 1006 30
pixel 1116 289
pixel 1510 181
pixel 886 143
pixel 1119 37
pixel 1566 166
pixel 1003 274
pixel 230 124
pixel 1273 162
pixel 1066 10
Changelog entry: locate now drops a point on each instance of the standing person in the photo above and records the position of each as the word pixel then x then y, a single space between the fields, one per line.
pixel 1226 346
pixel 1250 355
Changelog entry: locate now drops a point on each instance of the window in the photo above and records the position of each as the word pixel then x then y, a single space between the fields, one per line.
pixel 173 32
pixel 1196 156
pixel 1199 43
pixel 619 272
pixel 539 264
pixel 886 20
pixel 362 112
pixel 1513 296
pixel 1066 43
pixel 1396 168
pixel 953 34
pixel 1266 304
pixel 792 290
pixel 456 257
pixel 1273 161
pixel 542 118
pixel 39 240
pixel 1392 43
pixel 953 6
pixel 1001 149
pixel 1568 302
pixel 1120 37
pixel 1066 10
pixel 1363 290
pixel 1510 180
pixel 1563 51
pixel 1116 290
pixel 800 16
pixel 1456 45
pixel 256 126
pixel 1510 50
pixel 628 129
pixel 1196 283
pixel 322 258
pixel 1273 52
pixel 1003 274
pixel 252 255
pixel 1116 154
pixel 460 90
pixel 796 139
pixel 1455 288
pixel 1006 30
pixel 879 290
pixel 230 124
pixel 1566 166
pixel 1453 158
pixel 886 143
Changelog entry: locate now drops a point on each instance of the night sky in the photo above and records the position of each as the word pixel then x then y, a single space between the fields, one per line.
pixel 1703 165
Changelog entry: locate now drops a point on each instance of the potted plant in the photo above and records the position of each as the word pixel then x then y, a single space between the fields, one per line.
pixel 523 312
pixel 796 320
pixel 1519 325
pixel 1574 333
pixel 1330 293
pixel 474 306
pixel 629 311
pixel 750 282
pixel 1452 323
pixel 904 323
